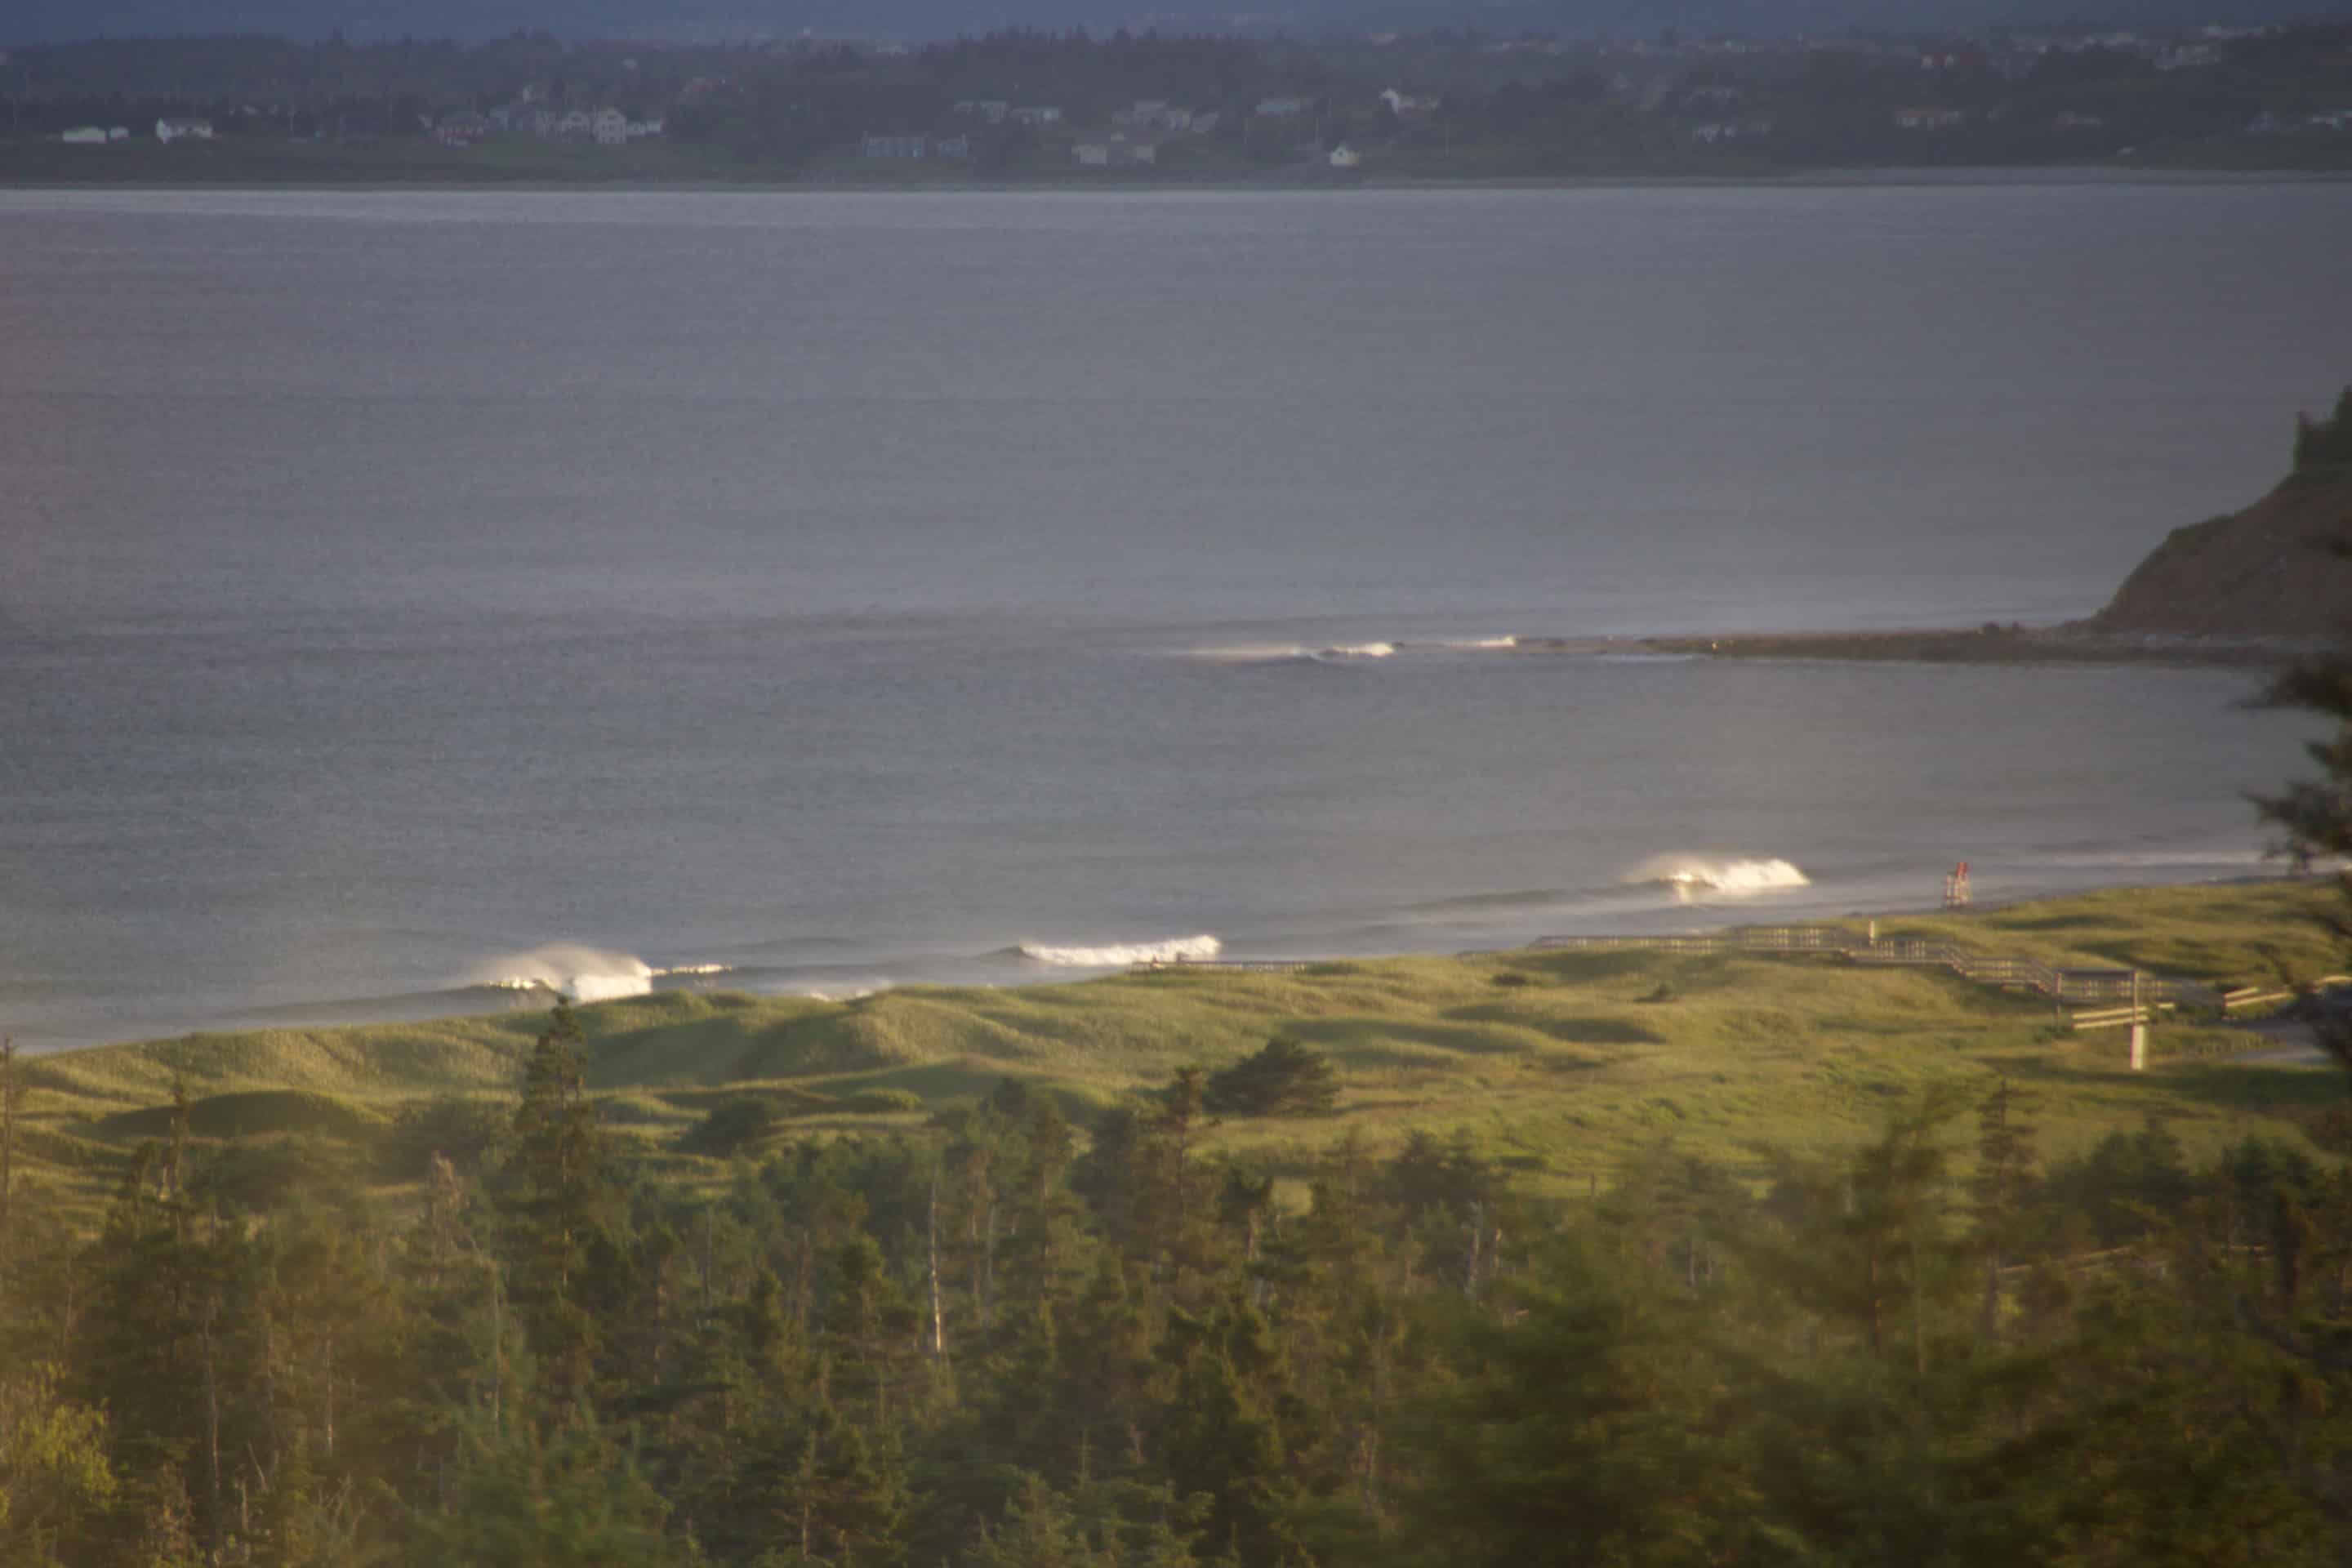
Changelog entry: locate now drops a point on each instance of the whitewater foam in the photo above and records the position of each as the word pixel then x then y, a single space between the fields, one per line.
pixel 1483 645
pixel 1691 875
pixel 1291 652
pixel 1122 955
pixel 576 974
pixel 1254 653
pixel 854 993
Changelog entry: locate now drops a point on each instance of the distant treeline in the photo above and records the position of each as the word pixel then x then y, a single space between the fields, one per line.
pixel 2324 442
pixel 1436 103
pixel 996 1343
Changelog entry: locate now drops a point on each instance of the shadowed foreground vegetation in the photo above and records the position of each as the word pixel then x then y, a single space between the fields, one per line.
pixel 1621 1257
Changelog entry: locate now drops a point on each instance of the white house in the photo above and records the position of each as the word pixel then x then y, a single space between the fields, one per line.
pixel 85 136
pixel 1154 114
pixel 1117 153
pixel 1927 119
pixel 1345 157
pixel 575 122
pixel 462 129
pixel 1708 132
pixel 168 130
pixel 610 127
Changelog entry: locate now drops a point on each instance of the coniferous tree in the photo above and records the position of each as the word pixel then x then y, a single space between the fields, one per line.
pixel 1282 1077
pixel 559 1206
pixel 2000 1187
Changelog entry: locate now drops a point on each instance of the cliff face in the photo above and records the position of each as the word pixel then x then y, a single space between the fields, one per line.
pixel 2272 570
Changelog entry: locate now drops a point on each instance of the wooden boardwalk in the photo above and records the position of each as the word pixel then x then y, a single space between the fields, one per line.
pixel 2092 998
pixel 2102 998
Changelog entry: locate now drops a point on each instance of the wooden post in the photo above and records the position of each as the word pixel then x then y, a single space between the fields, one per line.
pixel 2139 1029
pixel 938 1316
pixel 8 1096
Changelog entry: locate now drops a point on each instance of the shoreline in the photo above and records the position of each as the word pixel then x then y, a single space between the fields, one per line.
pixel 302 1020
pixel 1989 643
pixel 1299 181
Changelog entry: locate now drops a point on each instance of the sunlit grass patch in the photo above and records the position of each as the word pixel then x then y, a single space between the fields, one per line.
pixel 1578 1063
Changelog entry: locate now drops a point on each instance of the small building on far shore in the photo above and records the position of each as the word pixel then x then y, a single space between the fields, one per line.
pixel 170 131
pixel 1116 152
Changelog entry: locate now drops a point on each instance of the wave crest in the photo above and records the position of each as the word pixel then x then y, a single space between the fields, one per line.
pixel 1123 955
pixel 1254 653
pixel 1690 874
pixel 1294 653
pixel 575 974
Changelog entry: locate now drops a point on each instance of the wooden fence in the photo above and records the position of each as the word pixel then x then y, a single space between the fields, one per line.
pixel 2100 998
pixel 2081 989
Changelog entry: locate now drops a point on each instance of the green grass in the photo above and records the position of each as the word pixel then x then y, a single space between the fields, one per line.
pixel 1562 1064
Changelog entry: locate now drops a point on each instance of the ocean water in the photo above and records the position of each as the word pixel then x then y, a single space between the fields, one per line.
pixel 406 594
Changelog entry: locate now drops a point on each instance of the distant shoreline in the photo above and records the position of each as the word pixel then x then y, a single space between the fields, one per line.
pixel 1990 644
pixel 1301 182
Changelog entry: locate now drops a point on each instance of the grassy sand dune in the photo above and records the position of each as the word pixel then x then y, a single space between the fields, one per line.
pixel 1562 1064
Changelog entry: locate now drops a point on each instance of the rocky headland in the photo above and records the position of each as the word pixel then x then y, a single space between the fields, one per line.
pixel 2270 582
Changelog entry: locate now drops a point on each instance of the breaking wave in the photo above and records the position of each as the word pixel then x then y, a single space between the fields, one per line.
pixel 575 974
pixel 1122 955
pixel 1255 653
pixel 1483 645
pixel 1690 874
pixel 1293 653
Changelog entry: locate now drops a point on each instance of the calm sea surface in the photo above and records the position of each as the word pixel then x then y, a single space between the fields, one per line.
pixel 401 593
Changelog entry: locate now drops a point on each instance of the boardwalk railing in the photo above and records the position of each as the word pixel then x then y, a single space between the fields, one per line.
pixel 2066 988
pixel 2102 998
pixel 2261 996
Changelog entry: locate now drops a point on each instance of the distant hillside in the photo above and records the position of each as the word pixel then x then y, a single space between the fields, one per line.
pixel 32 21
pixel 2276 568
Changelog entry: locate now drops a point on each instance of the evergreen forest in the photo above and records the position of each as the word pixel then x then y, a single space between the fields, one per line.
pixel 996 1338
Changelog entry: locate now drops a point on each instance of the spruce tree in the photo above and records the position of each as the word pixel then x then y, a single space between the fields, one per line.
pixel 558 1202
pixel 1999 1188
pixel 1283 1078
